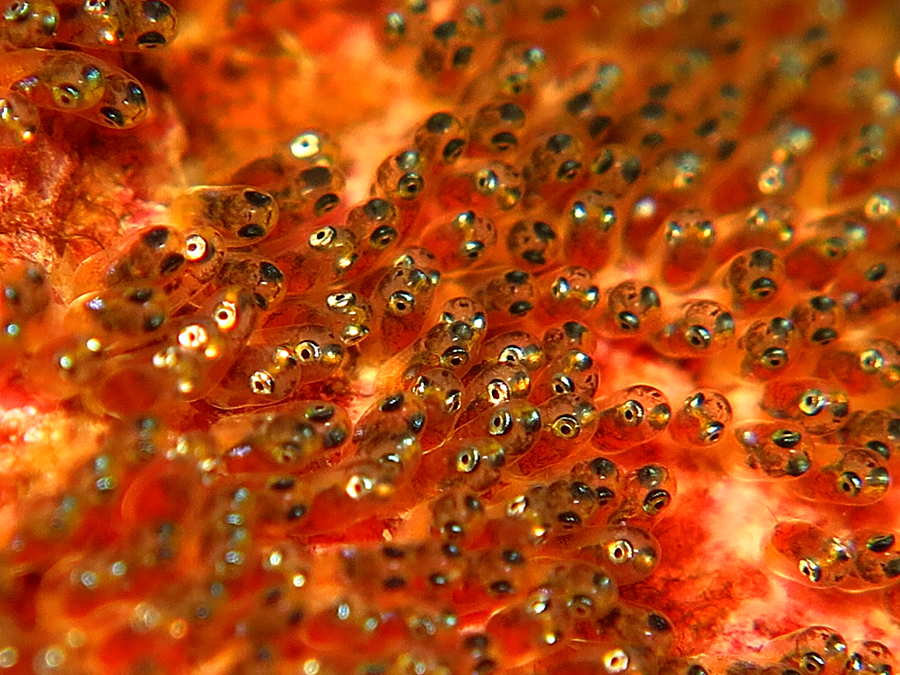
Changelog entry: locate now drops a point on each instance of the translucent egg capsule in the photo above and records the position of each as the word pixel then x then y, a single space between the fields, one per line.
pixel 25 297
pixel 330 253
pixel 572 292
pixel 462 240
pixel 123 103
pixel 407 21
pixel 768 225
pixel 855 170
pixel 377 227
pixel 116 25
pixel 559 340
pixel 677 171
pixel 289 441
pixel 878 430
pixel 514 347
pixel 869 291
pixel 648 492
pixel 881 357
pixel 602 476
pixel 315 148
pixel 533 242
pixel 819 320
pixel 318 351
pixel 616 168
pixel 688 239
pixel 154 255
pixel 501 574
pixel 441 138
pixel 256 275
pixel 352 314
pixel 473 463
pixel 753 279
pixel 631 416
pixel 205 344
pixel 85 587
pixel 602 80
pixel 773 449
pixel 358 489
pixel 603 657
pixel 556 167
pixel 39 540
pixel 161 494
pixel 492 385
pixel 518 73
pixel 768 348
pixel 644 627
pixel 204 255
pixel 697 329
pixel 29 24
pixel 877 558
pixel 859 476
pixel 226 539
pixel 573 372
pixel 393 416
pixel 261 375
pixel 507 297
pixel 19 120
pixel 452 345
pixel 648 126
pixel 244 215
pixel 388 456
pixel 527 630
pixel 65 81
pixel 496 128
pixel 418 257
pixel 880 210
pixel 402 300
pixel 629 309
pixel 702 420
pixel 482 186
pixel 455 50
pixel 864 369
pixel 516 425
pixel 129 384
pixel 381 570
pixel 120 319
pixel 589 239
pixel 441 392
pixel 465 310
pixel 819 650
pixel 569 423
pixel 703 664
pixel 348 622
pixel 818 261
pixel 588 592
pixel 629 553
pixel 816 405
pixel 307 185
pixel 64 364
pixel 557 508
pixel 457 516
pixel 401 178
pixel 870 657
pixel 154 26
pixel 77 83
pixel 805 553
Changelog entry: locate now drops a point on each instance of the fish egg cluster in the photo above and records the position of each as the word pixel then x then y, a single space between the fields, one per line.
pixel 474 418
